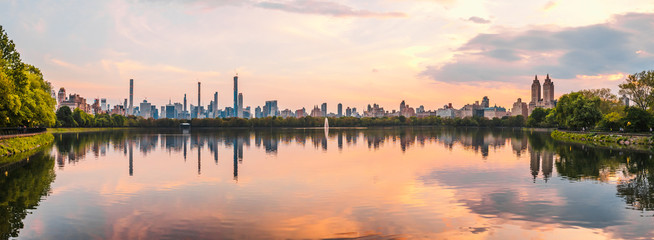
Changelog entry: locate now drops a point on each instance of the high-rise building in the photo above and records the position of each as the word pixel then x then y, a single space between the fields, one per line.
pixel 316 112
pixel 131 96
pixel 61 96
pixel 103 104
pixel 185 103
pixel 340 110
pixel 535 90
pixel 323 109
pixel 485 102
pixel 547 100
pixel 239 111
pixel 215 105
pixel 257 112
pixel 348 112
pixel 548 90
pixel 146 109
pixel 270 109
pixel 235 94
pixel 199 94
pixel 520 108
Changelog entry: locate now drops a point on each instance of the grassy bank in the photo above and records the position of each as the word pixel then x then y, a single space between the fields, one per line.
pixel 16 145
pixel 76 130
pixel 607 140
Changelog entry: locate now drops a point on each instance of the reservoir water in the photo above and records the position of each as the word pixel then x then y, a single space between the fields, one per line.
pixel 394 183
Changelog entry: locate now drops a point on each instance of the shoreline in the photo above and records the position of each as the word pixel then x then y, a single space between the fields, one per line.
pixel 605 139
pixel 16 145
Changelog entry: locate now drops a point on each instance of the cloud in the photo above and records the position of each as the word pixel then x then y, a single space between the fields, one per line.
pixel 564 53
pixel 550 5
pixel 324 8
pixel 479 20
pixel 317 7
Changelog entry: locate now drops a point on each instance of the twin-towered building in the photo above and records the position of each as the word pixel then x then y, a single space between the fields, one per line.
pixel 546 100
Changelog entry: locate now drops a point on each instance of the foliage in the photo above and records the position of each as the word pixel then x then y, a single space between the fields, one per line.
pixel 25 98
pixel 637 120
pixel 15 145
pixel 65 117
pixel 537 117
pixel 608 101
pixel 575 111
pixel 611 122
pixel 639 88
pixel 80 119
pixel 22 190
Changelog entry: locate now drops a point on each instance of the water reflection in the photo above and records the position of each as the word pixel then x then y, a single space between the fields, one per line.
pixel 22 189
pixel 407 182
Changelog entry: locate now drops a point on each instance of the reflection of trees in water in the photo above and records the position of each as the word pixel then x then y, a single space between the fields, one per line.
pixel 22 190
pixel 633 170
pixel 638 190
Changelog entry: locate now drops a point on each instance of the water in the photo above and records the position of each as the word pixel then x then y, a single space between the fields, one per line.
pixel 421 183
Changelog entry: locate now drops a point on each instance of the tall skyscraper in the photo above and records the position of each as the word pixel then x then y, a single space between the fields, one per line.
pixel 235 94
pixel 199 94
pixel 535 90
pixel 185 103
pixel 340 110
pixel 215 104
pixel 323 109
pixel 131 96
pixel 548 90
pixel 239 111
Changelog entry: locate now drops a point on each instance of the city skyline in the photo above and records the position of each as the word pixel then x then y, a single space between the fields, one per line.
pixel 331 51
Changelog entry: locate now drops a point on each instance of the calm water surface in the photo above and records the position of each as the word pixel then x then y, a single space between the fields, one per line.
pixel 421 183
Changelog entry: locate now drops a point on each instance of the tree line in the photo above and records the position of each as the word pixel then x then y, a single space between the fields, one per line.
pixel 79 118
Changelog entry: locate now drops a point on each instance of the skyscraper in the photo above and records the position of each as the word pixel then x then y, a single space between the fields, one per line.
pixel 185 103
pixel 131 96
pixel 215 104
pixel 239 111
pixel 199 94
pixel 535 90
pixel 340 110
pixel 323 109
pixel 235 94
pixel 548 90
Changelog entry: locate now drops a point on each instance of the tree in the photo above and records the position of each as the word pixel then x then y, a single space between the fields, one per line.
pixel 24 96
pixel 637 119
pixel 65 117
pixel 639 88
pixel 611 122
pixel 537 117
pixel 608 101
pixel 575 111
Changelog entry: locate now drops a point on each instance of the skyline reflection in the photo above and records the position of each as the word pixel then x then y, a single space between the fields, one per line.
pixel 301 183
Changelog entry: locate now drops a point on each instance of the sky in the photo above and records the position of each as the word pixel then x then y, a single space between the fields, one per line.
pixel 304 53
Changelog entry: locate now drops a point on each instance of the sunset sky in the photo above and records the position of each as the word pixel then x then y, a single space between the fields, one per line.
pixel 303 53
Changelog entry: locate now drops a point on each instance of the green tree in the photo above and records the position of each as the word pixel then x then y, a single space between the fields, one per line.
pixel 611 122
pixel 537 117
pixel 24 96
pixel 637 119
pixel 65 117
pixel 608 101
pixel 639 88
pixel 575 111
